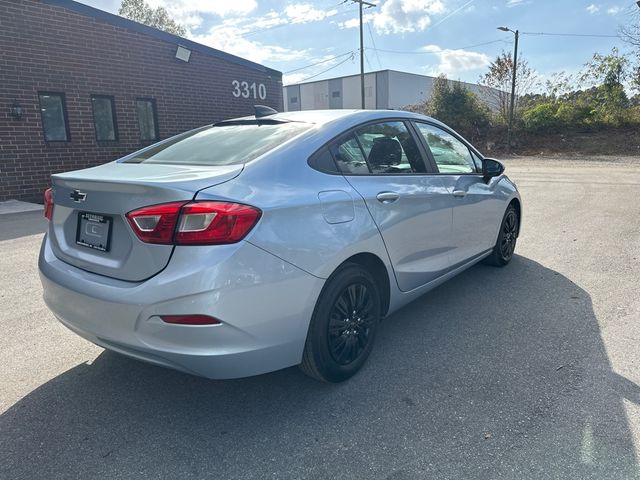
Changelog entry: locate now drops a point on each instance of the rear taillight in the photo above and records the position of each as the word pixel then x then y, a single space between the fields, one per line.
pixel 194 223
pixel 48 203
pixel 157 223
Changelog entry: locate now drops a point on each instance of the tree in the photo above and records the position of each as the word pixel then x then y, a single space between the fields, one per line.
pixel 630 33
pixel 497 83
pixel 609 70
pixel 608 73
pixel 458 107
pixel 139 11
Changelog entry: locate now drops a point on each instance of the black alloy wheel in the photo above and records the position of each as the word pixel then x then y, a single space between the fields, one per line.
pixel 350 323
pixel 343 326
pixel 507 236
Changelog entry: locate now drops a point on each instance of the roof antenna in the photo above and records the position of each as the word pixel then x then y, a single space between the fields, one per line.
pixel 264 111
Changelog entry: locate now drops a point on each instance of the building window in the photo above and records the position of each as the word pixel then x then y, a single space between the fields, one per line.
pixel 294 100
pixel 54 117
pixel 335 94
pixel 147 119
pixel 104 118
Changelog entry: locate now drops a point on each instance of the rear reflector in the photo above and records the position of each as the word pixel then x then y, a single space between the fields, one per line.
pixel 48 203
pixel 194 223
pixel 190 319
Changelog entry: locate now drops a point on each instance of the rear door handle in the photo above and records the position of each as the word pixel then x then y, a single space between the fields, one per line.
pixel 387 197
pixel 459 193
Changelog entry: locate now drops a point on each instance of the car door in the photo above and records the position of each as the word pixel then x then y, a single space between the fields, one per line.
pixel 476 207
pixel 385 164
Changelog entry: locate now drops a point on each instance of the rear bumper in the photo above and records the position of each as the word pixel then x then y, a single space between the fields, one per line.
pixel 264 303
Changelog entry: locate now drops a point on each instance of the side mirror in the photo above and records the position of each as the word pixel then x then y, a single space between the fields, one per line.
pixel 491 168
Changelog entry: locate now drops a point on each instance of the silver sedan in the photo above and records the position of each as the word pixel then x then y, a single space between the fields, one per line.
pixel 263 242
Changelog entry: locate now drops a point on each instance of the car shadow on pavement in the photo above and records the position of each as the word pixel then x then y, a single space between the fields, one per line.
pixel 499 373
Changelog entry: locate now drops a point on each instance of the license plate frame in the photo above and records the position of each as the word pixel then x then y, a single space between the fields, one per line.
pixel 94 231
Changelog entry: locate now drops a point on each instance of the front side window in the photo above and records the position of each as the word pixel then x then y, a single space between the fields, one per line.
pixel 104 118
pixel 147 119
pixel 221 144
pixel 390 148
pixel 54 117
pixel 450 154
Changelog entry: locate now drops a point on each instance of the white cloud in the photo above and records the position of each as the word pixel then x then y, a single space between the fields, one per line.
pixel 293 78
pixel 229 39
pixel 222 8
pixel 305 13
pixel 614 10
pixel 401 16
pixel 233 33
pixel 456 61
pixel 517 3
pixel 593 8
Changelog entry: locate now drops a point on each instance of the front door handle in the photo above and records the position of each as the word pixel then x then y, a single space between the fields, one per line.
pixel 387 197
pixel 459 193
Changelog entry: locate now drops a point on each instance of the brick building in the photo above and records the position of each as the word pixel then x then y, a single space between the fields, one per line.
pixel 80 87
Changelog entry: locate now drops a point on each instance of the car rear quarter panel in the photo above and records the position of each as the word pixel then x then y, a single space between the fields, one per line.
pixel 311 219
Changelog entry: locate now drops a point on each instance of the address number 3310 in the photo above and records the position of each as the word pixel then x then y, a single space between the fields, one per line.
pixel 246 90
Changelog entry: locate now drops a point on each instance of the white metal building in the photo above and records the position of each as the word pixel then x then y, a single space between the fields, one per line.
pixel 383 89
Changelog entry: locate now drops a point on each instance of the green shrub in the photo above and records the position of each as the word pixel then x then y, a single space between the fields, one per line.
pixel 540 117
pixel 458 107
pixel 571 114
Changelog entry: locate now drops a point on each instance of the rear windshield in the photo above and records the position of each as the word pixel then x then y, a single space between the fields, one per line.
pixel 222 144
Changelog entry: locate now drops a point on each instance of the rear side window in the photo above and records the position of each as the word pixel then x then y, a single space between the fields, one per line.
pixel 390 148
pixel 349 157
pixel 222 144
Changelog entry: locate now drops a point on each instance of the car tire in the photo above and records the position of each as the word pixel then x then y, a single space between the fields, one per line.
pixel 507 236
pixel 343 326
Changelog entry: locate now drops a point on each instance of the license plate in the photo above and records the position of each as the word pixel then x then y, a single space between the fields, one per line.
pixel 94 231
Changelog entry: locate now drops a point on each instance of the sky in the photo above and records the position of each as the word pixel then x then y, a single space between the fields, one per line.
pixel 320 39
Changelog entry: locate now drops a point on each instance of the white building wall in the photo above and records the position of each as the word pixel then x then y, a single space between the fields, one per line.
pixel 351 93
pixel 404 89
pixel 407 89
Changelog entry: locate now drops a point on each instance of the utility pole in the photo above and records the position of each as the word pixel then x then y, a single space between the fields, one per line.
pixel 361 3
pixel 513 93
pixel 513 85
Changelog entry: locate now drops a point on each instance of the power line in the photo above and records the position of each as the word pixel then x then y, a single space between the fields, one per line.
pixel 453 13
pixel 367 60
pixel 439 51
pixel 373 42
pixel 287 24
pixel 320 62
pixel 328 69
pixel 595 35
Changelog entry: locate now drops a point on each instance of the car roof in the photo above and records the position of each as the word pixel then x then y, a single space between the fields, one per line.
pixel 322 117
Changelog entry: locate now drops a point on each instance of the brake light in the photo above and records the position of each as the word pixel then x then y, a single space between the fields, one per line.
pixel 190 319
pixel 48 204
pixel 194 223
pixel 157 223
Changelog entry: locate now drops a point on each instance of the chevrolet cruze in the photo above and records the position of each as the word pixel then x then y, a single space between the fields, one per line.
pixel 264 242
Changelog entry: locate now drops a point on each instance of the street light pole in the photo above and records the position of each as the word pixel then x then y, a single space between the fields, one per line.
pixel 361 3
pixel 513 85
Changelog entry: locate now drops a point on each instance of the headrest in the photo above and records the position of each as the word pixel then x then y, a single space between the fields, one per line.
pixel 385 151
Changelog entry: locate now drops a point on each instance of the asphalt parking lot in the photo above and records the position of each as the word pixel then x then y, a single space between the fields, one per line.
pixel 526 372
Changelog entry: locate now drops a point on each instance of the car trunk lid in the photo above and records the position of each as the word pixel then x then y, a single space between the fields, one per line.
pixel 89 228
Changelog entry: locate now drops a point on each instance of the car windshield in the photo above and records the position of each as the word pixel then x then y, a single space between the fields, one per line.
pixel 223 144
